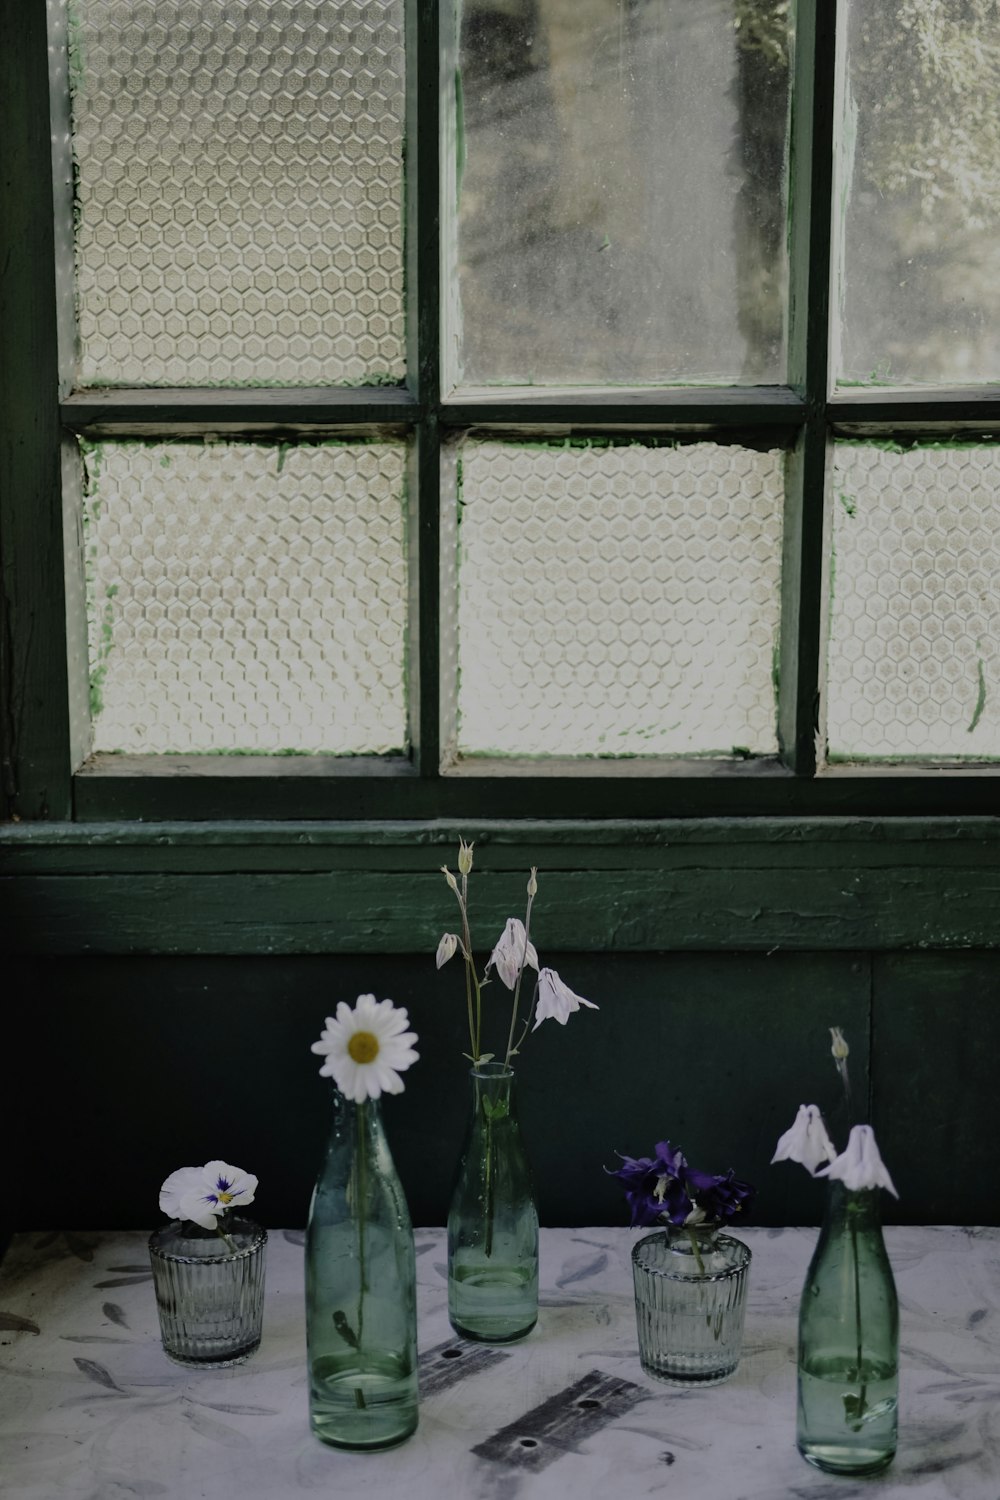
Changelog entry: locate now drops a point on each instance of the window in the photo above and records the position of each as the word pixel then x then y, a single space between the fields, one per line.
pixel 517 408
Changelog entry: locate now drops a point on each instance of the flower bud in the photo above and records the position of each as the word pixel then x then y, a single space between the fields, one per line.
pixel 532 882
pixel 464 857
pixel 453 883
pixel 840 1048
pixel 446 949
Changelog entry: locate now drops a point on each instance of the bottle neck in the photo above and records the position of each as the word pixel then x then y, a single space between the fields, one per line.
pixel 493 1083
pixel 853 1208
pixel 357 1121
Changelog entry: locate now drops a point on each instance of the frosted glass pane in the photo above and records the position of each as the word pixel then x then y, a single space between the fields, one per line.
pixel 247 598
pixel 920 148
pixel 613 600
pixel 238 190
pixel 621 177
pixel 914 656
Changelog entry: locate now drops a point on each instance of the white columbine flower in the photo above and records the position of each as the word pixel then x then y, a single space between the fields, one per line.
pixel 509 952
pixel 367 1048
pixel 807 1141
pixel 446 949
pixel 860 1165
pixel 556 999
pixel 202 1194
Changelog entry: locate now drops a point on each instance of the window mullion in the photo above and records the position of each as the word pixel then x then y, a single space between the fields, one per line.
pixel 811 197
pixel 36 722
pixel 423 39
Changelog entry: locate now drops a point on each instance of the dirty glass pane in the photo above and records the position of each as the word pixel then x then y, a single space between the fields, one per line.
pixel 914 655
pixel 246 598
pixel 620 173
pixel 920 164
pixel 239 190
pixel 611 600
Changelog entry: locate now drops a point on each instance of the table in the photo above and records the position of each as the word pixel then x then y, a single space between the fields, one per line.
pixel 90 1408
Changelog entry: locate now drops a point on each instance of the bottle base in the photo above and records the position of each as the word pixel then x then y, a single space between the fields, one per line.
pixel 364 1406
pixel 492 1333
pixel 834 1459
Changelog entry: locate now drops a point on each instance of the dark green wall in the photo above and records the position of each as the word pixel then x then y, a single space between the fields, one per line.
pixel 123 1068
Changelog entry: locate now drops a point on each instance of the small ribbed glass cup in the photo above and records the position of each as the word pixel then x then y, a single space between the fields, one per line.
pixel 690 1301
pixel 210 1300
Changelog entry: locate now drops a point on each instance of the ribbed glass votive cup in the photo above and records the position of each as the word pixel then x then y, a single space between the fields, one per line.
pixel 210 1299
pixel 690 1302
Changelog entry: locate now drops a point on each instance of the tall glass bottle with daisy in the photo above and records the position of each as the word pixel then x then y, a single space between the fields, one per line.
pixel 493 1218
pixel 361 1305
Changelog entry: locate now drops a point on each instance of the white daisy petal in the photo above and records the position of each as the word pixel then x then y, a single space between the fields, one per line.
pixel 384 1046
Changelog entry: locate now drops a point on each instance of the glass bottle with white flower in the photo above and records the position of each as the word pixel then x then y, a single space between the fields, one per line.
pixel 361 1307
pixel 848 1349
pixel 208 1266
pixel 492 1218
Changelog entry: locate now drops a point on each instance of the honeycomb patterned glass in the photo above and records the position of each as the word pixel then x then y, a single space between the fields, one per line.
pixel 247 598
pixel 920 160
pixel 620 173
pixel 612 600
pixel 914 655
pixel 239 191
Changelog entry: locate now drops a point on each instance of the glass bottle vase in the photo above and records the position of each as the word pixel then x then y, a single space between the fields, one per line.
pixel 209 1294
pixel 493 1221
pixel 361 1305
pixel 690 1303
pixel 848 1362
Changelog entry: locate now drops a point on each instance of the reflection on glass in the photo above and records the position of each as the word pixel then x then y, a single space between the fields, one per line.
pixel 621 191
pixel 920 159
pixel 612 600
pixel 914 654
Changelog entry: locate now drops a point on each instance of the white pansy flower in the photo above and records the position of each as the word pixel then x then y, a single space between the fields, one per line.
pixel 510 951
pixel 860 1165
pixel 203 1194
pixel 556 999
pixel 806 1141
pixel 446 949
pixel 367 1048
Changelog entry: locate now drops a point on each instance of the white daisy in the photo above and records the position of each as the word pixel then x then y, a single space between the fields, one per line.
pixel 367 1048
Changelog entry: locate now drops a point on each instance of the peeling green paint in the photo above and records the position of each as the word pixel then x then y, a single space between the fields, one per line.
pixel 977 712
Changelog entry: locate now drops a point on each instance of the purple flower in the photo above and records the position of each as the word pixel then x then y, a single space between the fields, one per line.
pixel 719 1198
pixel 654 1187
pixel 664 1189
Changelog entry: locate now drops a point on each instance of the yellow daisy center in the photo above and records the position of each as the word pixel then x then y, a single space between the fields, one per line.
pixel 363 1047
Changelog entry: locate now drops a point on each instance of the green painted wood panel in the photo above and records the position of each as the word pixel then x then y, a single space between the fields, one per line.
pixel 722 884
pixel 935 1043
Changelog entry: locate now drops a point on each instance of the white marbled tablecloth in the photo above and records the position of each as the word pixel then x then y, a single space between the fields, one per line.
pixel 91 1409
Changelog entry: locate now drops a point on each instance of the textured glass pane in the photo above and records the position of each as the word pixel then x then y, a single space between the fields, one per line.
pixel 920 149
pixel 246 598
pixel 238 190
pixel 914 659
pixel 614 600
pixel 621 191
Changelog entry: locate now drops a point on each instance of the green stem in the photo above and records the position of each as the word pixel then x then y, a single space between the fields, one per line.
pixel 362 1193
pixel 489 1188
pixel 862 1384
pixel 696 1248
pixel 224 1237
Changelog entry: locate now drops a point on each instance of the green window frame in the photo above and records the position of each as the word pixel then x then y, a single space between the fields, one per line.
pixel 42 665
